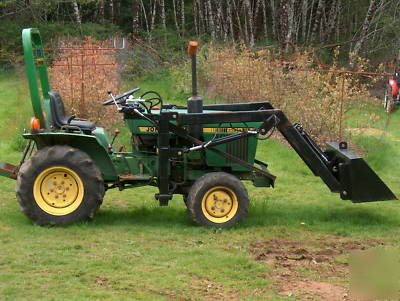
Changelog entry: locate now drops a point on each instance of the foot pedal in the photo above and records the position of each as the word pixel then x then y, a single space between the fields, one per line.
pixel 163 198
pixel 163 202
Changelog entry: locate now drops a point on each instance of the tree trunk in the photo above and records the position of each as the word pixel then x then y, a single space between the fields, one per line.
pixel 195 18
pixel 332 20
pixel 239 23
pixel 274 19
pixel 163 18
pixel 230 19
pixel 135 18
pixel 290 23
pixel 201 16
pixel 249 13
pixel 304 12
pixel 77 13
pixel 111 4
pixel 153 15
pixel 183 16
pixel 317 21
pixel 264 9
pixel 211 19
pixel 175 15
pixel 308 35
pixel 367 23
pixel 145 18
pixel 218 20
pixel 118 8
pixel 101 11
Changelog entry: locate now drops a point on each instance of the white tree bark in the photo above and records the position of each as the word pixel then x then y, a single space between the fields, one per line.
pixel 230 19
pixel 317 21
pixel 135 18
pixel 249 13
pixel 153 15
pixel 175 15
pixel 182 15
pixel 264 9
pixel 111 4
pixel 101 11
pixel 290 23
pixel 145 17
pixel 77 13
pixel 195 17
pixel 211 18
pixel 366 25
pixel 304 12
pixel 163 18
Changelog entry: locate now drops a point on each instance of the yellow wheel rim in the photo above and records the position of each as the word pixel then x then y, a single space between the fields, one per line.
pixel 219 204
pixel 58 190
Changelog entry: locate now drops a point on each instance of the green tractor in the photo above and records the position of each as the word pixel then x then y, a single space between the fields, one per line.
pixel 202 152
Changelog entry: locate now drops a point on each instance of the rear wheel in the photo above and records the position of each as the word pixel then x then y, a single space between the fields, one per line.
pixel 217 199
pixel 59 185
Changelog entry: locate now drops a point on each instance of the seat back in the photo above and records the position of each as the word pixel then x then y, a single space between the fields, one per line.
pixel 57 109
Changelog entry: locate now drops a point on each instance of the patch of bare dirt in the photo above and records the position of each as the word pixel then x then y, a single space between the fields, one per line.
pixel 212 290
pixel 313 290
pixel 101 281
pixel 368 131
pixel 310 269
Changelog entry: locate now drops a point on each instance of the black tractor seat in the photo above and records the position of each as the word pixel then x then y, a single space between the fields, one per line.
pixel 59 117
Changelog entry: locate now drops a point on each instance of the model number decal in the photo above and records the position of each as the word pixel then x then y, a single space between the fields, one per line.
pixel 153 129
pixel 148 129
pixel 226 130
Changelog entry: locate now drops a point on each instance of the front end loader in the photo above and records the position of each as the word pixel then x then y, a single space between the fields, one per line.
pixel 202 152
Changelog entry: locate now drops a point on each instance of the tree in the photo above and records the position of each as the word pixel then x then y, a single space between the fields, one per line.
pixel 135 18
pixel 365 28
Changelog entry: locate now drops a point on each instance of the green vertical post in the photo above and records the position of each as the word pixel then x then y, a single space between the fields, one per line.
pixel 36 64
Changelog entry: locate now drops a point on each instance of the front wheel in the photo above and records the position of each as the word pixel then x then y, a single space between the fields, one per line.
pixel 59 185
pixel 217 199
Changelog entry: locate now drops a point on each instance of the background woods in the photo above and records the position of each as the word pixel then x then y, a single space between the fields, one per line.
pixel 365 27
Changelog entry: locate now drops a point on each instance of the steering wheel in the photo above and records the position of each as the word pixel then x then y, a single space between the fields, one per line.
pixel 120 98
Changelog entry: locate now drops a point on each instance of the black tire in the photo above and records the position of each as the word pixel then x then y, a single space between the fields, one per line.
pixel 73 168
pixel 217 199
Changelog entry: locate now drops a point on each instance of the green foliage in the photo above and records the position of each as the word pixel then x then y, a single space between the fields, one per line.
pixel 10 36
pixel 165 47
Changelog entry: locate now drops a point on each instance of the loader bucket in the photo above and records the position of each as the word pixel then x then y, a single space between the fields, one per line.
pixel 359 182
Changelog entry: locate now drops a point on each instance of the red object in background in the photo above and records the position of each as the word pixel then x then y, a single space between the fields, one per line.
pixel 395 88
pixel 116 132
pixel 155 108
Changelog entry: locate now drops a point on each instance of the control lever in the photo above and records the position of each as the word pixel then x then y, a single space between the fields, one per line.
pixel 113 98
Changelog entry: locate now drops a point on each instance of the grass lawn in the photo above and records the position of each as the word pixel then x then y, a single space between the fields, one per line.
pixel 294 244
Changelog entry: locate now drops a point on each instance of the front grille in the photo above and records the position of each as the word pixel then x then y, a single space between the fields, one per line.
pixel 238 148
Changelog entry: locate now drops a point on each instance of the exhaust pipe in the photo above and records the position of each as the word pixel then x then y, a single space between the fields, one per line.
pixel 358 181
pixel 194 103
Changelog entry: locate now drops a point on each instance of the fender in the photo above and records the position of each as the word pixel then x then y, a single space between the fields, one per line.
pixel 86 143
pixel 395 88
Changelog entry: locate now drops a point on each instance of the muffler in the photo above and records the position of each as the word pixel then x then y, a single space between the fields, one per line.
pixel 358 181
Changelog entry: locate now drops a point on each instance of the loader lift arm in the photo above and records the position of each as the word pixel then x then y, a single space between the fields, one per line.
pixel 341 170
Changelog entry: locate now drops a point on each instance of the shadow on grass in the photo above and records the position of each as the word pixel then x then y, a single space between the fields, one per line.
pixel 366 216
pixel 147 216
pixel 350 215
